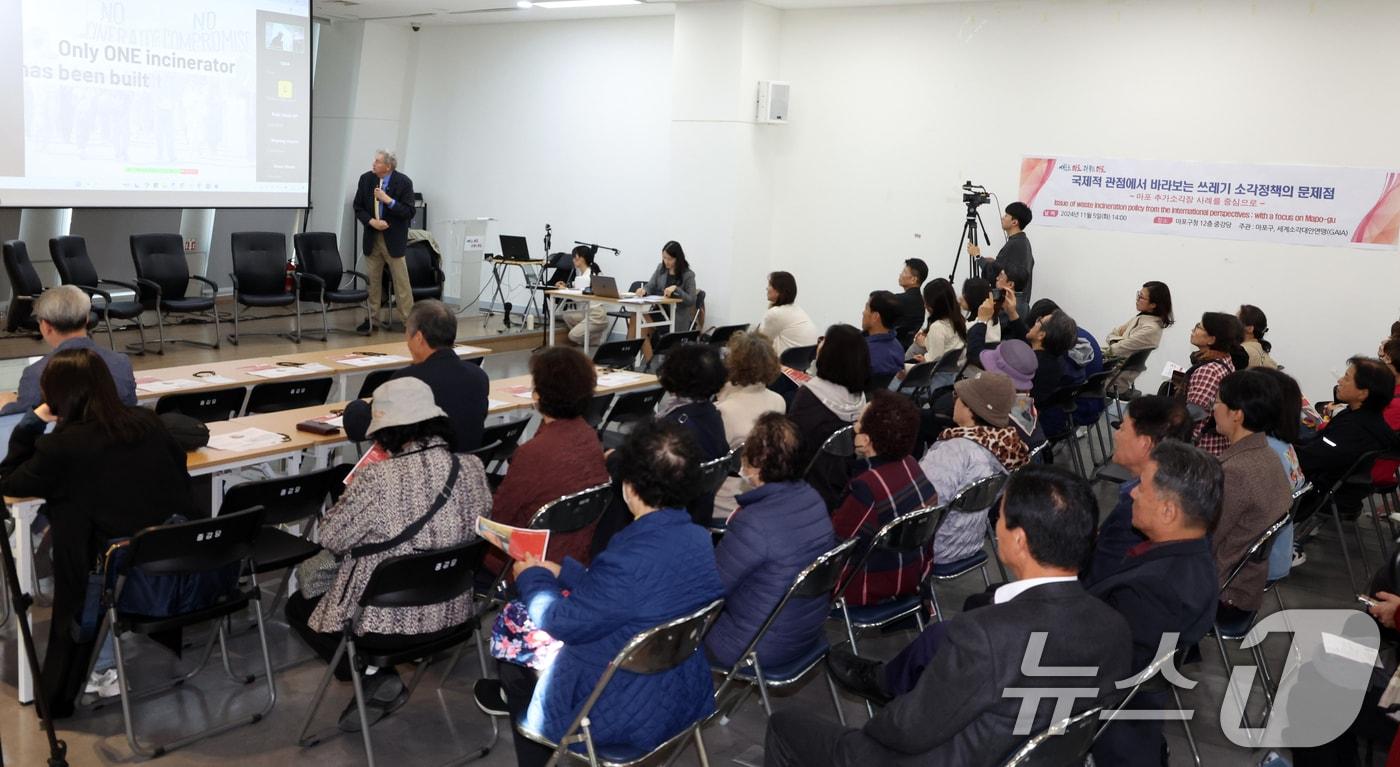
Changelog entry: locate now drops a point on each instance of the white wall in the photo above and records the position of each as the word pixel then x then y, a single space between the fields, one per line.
pixel 894 107
pixel 564 123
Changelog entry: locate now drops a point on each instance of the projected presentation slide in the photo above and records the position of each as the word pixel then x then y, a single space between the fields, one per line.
pixel 197 103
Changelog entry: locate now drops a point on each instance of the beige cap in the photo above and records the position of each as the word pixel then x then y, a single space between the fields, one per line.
pixel 400 402
pixel 989 395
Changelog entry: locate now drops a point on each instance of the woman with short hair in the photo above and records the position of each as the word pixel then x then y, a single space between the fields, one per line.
pixel 781 527
pixel 893 485
pixel 564 456
pixel 832 399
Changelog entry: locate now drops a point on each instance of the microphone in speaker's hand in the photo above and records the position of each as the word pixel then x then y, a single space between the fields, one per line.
pixel 507 313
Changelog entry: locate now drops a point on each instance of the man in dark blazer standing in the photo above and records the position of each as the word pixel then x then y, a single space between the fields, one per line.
pixel 959 712
pixel 461 388
pixel 384 205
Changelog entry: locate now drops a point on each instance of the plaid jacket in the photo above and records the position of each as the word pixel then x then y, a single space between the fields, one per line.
pixel 873 499
pixel 1202 390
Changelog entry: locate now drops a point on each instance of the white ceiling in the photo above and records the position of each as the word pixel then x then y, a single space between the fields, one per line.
pixel 439 12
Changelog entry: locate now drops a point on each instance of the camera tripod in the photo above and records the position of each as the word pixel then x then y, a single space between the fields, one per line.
pixel 21 602
pixel 967 236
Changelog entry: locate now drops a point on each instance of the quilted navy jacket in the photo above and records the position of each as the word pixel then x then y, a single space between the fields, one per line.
pixel 779 529
pixel 658 568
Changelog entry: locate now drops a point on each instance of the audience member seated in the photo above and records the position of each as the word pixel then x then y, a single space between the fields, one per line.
pixel 1052 337
pixel 832 399
pixel 996 319
pixel 1165 586
pixel 752 367
pixel 1257 492
pixel 107 471
pixel 1015 359
pixel 946 331
pixel 911 301
pixel 785 322
pixel 981 445
pixel 893 485
pixel 947 690
pixel 672 278
pixel 1143 331
pixel 1218 354
pixel 1282 438
pixel 877 321
pixel 563 457
pixel 1147 422
pixel 63 313
pixel 1357 427
pixel 1383 472
pixel 373 521
pixel 974 293
pixel 459 387
pixel 1255 326
pixel 655 570
pixel 594 321
pixel 691 376
pixel 781 527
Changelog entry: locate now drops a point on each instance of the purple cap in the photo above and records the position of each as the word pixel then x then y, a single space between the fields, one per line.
pixel 1012 358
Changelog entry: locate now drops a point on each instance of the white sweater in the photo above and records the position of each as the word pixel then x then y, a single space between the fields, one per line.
pixel 788 326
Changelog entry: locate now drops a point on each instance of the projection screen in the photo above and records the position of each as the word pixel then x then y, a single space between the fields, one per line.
pixel 125 103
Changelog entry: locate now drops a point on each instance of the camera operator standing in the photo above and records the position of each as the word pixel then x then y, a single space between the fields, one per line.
pixel 1015 253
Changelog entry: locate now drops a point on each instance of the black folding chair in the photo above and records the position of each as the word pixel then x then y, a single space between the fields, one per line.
pixel 1062 744
pixel 840 444
pixel 206 546
pixel 657 649
pixel 412 580
pixel 207 406
pixel 70 259
pixel 373 381
pixel 1355 480
pixel 628 409
pixel 276 396
pixel 712 475
pixel 598 410
pixel 285 501
pixel 721 335
pixel 908 533
pixel 323 276
pixel 1150 680
pixel 1258 552
pixel 818 579
pixel 498 443
pixel 618 355
pixel 670 341
pixel 798 357
pixel 975 499
pixel 163 278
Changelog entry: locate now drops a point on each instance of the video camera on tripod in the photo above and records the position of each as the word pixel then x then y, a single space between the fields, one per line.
pixel 974 196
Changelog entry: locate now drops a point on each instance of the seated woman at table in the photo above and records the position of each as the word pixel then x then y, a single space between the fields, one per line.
pixel 379 506
pixel 593 320
pixel 563 457
pixel 107 471
pixel 892 485
pixel 672 278
pixel 659 568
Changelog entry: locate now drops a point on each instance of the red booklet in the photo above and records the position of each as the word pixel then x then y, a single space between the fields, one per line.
pixel 515 541
pixel 374 455
pixel 796 376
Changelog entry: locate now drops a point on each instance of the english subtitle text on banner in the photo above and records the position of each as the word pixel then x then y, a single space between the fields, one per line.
pixel 1293 204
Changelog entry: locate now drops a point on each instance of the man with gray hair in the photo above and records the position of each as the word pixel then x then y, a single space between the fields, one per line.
pixel 384 206
pixel 63 314
pixel 460 388
pixel 1167 584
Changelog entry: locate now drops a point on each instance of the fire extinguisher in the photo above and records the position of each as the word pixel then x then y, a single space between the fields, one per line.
pixel 291 268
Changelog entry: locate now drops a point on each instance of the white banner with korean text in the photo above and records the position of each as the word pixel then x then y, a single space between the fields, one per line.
pixel 1294 204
